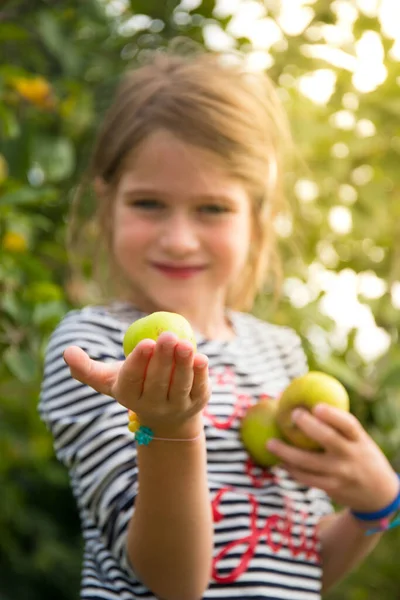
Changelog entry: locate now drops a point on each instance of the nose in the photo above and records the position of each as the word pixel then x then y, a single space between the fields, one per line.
pixel 179 236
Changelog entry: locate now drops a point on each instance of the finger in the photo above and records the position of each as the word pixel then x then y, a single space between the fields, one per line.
pixel 130 384
pixel 344 422
pixel 159 371
pixel 311 462
pixel 201 389
pixel 322 482
pixel 182 375
pixel 98 375
pixel 325 435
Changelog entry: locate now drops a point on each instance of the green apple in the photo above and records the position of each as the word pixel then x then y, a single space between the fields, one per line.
pixel 153 325
pixel 257 427
pixel 306 392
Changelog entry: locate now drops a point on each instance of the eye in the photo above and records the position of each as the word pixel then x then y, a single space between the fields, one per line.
pixel 147 204
pixel 214 209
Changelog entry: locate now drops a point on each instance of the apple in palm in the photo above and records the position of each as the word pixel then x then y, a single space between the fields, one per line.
pixel 153 325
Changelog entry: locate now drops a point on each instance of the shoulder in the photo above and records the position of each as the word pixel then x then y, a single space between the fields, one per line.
pixel 108 318
pixel 277 342
pixel 94 328
pixel 263 330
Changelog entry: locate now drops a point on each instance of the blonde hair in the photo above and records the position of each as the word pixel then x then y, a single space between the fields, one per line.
pixel 219 107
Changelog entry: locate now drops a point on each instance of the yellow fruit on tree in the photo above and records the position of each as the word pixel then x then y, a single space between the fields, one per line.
pixel 14 242
pixel 36 90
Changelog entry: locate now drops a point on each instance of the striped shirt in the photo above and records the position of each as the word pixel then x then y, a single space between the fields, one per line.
pixel 265 543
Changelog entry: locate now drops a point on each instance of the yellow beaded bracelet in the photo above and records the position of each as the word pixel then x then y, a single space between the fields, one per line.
pixel 144 435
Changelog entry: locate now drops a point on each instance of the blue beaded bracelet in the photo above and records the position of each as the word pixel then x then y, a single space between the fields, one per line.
pixel 379 514
pixel 144 435
pixel 385 525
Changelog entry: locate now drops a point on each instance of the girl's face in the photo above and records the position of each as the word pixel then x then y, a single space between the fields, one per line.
pixel 181 228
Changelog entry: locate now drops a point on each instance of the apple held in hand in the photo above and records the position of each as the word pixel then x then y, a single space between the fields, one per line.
pixel 306 392
pixel 153 325
pixel 257 427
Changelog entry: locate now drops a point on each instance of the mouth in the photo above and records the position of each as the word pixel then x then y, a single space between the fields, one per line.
pixel 174 272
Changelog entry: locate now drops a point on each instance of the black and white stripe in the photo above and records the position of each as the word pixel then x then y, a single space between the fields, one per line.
pixel 91 438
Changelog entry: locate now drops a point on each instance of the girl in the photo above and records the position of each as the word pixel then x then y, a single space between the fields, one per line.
pixel 187 171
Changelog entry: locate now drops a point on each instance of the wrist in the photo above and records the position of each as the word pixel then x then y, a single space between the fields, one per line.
pixel 388 505
pixel 364 526
pixel 185 429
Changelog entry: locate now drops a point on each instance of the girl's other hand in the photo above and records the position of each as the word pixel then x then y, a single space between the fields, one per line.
pixel 352 469
pixel 165 383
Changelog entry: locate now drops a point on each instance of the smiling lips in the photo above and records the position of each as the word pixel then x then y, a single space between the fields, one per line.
pixel 184 272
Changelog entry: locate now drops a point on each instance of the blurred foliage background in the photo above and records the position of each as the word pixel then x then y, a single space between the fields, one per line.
pixel 336 65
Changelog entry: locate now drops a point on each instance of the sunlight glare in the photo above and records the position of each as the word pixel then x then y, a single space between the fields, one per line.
pixel 318 86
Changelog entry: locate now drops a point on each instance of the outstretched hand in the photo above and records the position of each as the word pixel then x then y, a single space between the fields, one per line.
pixel 352 469
pixel 165 383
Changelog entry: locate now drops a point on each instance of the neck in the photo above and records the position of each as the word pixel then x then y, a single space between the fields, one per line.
pixel 212 324
pixel 216 327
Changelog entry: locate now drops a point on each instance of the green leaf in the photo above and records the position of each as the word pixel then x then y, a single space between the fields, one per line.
pixel 26 195
pixel 56 156
pixel 391 378
pixel 11 31
pixel 207 8
pixel 9 125
pixel 154 8
pixel 48 312
pixel 57 42
pixel 21 364
pixel 50 31
pixel 338 368
pixel 387 412
pixel 44 291
pixel 11 305
pixel 78 112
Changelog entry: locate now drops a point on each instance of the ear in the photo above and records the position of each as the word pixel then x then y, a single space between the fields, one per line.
pixel 104 204
pixel 101 188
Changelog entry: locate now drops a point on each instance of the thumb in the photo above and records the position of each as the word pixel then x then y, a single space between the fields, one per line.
pixel 98 375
